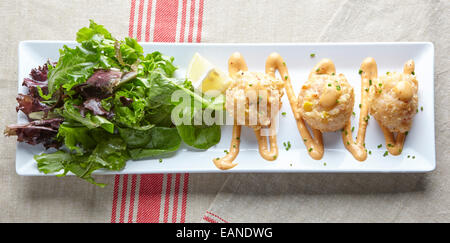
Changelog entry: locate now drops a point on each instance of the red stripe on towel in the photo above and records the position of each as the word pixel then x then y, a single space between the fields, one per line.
pixel 139 25
pixel 115 196
pixel 132 198
pixel 191 21
pixel 124 198
pixel 166 21
pixel 210 220
pixel 217 217
pixel 131 26
pixel 149 203
pixel 200 21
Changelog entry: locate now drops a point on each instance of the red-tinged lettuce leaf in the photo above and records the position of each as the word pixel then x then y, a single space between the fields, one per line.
pixel 36 132
pixel 34 86
pixel 100 85
pixel 94 105
pixel 40 73
pixel 28 104
pixel 105 79
pixel 37 83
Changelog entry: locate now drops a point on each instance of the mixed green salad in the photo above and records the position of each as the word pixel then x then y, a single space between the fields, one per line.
pixel 105 102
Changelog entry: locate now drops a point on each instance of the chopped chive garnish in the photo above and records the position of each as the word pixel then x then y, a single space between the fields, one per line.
pixel 217 158
pixel 387 73
pixel 353 129
pixel 400 150
pixel 406 133
pixel 338 87
pixel 366 89
pixel 312 55
pixel 304 140
pixel 379 146
pixel 160 160
pixel 370 152
pixel 390 145
pixel 421 108
pixel 332 74
pixel 284 63
pixel 353 113
pixel 317 70
pixel 360 105
pixel 310 149
pixel 360 71
pixel 287 145
pixel 380 84
pixel 225 151
pixel 414 157
pixel 286 77
pixel 250 85
pixel 283 113
pixel 237 138
pixel 409 156
pixel 329 85
pixel 324 163
pixel 234 145
pixel 413 73
pixel 370 81
pixel 385 154
pixel 348 143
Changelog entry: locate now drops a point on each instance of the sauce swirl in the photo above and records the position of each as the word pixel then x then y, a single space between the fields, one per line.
pixel 314 144
pixel 405 93
pixel 357 149
pixel 236 63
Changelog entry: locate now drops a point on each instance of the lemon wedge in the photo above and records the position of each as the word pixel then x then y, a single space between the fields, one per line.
pixel 206 77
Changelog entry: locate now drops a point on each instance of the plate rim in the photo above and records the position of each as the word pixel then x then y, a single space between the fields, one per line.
pixel 429 168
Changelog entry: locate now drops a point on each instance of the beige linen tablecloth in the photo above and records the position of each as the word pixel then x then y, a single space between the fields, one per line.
pixel 229 197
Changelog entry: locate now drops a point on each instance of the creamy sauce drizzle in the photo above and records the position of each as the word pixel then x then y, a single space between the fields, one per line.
pixel 395 144
pixel 314 144
pixel 226 162
pixel 358 150
pixel 237 63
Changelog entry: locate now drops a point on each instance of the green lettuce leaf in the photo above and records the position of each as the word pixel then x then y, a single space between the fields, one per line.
pixel 76 138
pixel 70 112
pixel 74 67
pixel 200 136
pixel 111 154
pixel 152 142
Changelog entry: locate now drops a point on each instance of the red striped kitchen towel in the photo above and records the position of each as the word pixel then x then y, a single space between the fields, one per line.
pixel 157 198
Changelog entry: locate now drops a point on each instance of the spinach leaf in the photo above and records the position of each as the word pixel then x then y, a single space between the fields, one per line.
pixel 200 136
pixel 152 142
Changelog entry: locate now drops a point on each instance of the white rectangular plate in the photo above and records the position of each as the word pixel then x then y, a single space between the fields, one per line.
pixel 347 57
